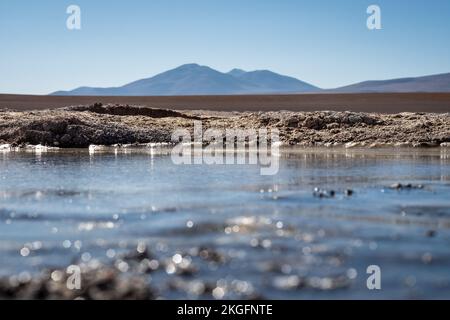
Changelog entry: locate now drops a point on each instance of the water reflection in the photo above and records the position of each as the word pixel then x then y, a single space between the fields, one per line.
pixel 226 231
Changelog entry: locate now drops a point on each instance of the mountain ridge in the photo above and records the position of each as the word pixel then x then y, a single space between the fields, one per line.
pixel 430 83
pixel 195 79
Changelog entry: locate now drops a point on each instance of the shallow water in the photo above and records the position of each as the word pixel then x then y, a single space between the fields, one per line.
pixel 229 228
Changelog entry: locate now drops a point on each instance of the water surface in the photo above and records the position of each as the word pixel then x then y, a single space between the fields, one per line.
pixel 236 231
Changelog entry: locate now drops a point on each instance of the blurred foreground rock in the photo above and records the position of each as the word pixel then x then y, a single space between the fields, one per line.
pixel 97 284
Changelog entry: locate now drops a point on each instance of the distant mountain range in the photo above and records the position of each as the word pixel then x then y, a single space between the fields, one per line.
pixel 434 83
pixel 193 79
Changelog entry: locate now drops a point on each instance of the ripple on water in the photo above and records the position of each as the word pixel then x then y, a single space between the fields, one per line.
pixel 229 233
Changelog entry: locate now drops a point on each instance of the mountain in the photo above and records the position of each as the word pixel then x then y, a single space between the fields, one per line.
pixel 186 80
pixel 433 83
pixel 236 72
pixel 269 81
pixel 193 79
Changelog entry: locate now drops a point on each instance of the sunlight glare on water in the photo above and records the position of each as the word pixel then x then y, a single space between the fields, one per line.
pixel 308 232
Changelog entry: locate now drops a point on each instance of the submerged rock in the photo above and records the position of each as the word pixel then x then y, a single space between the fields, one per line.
pixel 409 186
pixel 320 193
pixel 349 192
pixel 102 283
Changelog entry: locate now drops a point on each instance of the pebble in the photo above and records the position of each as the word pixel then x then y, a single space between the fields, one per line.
pixel 431 233
pixel 399 186
pixel 348 192
pixel 320 193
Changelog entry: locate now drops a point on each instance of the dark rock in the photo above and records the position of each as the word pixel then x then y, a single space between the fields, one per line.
pixel 314 123
pixel 431 233
pixel 127 110
pixel 320 193
pixel 348 192
pixel 409 186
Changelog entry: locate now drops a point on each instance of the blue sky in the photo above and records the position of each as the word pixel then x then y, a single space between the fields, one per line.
pixel 324 42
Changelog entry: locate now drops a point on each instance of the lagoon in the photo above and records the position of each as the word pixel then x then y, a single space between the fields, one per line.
pixel 225 231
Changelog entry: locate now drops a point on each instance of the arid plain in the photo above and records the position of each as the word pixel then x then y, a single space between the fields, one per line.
pixel 366 102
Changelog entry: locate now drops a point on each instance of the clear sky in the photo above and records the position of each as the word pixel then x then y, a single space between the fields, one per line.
pixel 324 42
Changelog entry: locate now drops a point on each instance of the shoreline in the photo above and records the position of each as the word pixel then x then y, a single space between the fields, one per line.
pixel 109 125
pixel 165 148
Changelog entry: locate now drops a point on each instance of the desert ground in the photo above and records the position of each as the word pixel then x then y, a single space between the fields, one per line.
pixel 370 102
pixel 114 124
pixel 366 120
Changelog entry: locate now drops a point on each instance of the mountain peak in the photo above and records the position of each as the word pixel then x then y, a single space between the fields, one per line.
pixel 236 72
pixel 193 67
pixel 189 66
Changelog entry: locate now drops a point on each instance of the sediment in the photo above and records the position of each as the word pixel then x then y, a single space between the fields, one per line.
pixel 103 283
pixel 97 124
